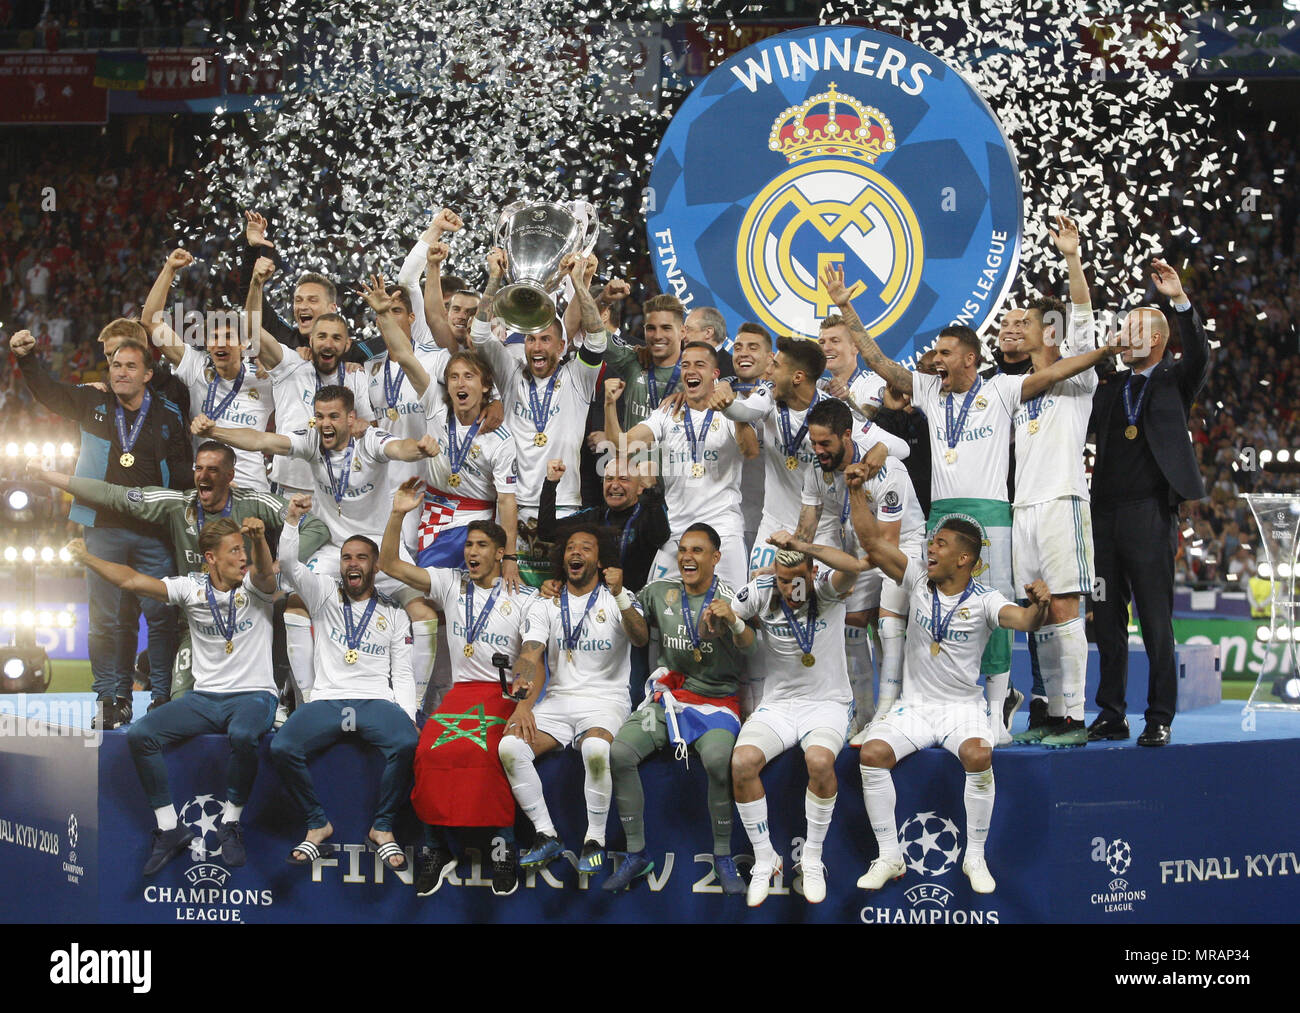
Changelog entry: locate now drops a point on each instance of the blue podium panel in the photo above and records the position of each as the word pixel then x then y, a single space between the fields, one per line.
pixel 1193 832
pixel 49 810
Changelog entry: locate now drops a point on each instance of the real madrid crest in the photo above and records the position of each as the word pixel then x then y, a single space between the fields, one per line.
pixel 506 608
pixel 981 402
pixel 600 615
pixel 209 373
pixel 381 622
pixel 254 394
pixel 963 613
pixel 241 599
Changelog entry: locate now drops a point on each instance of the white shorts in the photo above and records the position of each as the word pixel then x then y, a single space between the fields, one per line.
pixel 326 563
pixel 1052 542
pixel 786 724
pixel 912 726
pixel 731 569
pixel 567 718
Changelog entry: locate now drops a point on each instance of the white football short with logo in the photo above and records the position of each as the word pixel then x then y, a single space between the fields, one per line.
pixel 566 718
pixel 792 722
pixel 1053 543
pixel 909 727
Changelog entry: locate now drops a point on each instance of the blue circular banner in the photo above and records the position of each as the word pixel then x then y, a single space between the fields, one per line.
pixel 837 145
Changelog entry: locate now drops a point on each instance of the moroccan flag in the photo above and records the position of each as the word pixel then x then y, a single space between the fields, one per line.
pixel 121 70
pixel 458 777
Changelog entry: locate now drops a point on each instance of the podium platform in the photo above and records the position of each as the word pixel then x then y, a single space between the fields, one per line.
pixel 1202 830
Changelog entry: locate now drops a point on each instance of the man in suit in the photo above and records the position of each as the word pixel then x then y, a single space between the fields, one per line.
pixel 1144 469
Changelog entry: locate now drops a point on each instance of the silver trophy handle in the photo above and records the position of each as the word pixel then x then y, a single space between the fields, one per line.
pixel 585 212
pixel 503 219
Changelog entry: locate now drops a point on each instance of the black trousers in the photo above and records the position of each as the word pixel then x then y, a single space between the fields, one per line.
pixel 1134 545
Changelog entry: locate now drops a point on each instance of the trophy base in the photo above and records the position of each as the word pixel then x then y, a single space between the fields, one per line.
pixel 525 307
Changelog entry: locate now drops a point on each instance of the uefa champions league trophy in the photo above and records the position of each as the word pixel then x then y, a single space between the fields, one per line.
pixel 536 237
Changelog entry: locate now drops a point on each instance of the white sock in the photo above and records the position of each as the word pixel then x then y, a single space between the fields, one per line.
pixel 880 798
pixel 597 784
pixel 297 639
pixel 1048 642
pixel 995 692
pixel 979 810
pixel 753 816
pixel 424 647
pixel 166 817
pixel 231 813
pixel 818 812
pixel 893 642
pixel 861 675
pixel 1072 648
pixel 517 760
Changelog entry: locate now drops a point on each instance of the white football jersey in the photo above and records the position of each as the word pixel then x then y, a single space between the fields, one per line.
pixel 600 662
pixel 250 408
pixel 713 497
pixel 248 665
pixel 983 449
pixel 952 675
pixel 890 494
pixel 366 496
pixel 502 632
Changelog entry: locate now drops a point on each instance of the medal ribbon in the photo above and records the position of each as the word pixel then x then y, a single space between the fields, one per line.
pixel 342 382
pixel 803 637
pixel 457 452
pixel 692 625
pixel 625 536
pixel 844 508
pixel 200 516
pixel 704 434
pixel 953 434
pixel 210 407
pixel 226 629
pixel 652 384
pixel 339 485
pixel 1130 412
pixel 541 409
pixel 125 438
pixel 392 388
pixel 792 444
pixel 938 626
pixel 571 634
pixel 472 628
pixel 353 632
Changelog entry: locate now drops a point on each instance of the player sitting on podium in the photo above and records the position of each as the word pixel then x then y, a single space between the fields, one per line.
pixel 229 612
pixel 363 685
pixel 951 619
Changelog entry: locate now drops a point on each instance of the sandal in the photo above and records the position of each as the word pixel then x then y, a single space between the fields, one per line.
pixel 312 850
pixel 387 850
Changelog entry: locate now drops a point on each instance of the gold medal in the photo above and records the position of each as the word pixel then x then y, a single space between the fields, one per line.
pixel 311 423
pixel 934 648
pixel 697 654
pixel 469 650
pixel 350 656
pixel 950 456
pixel 569 656
pixel 392 414
pixel 230 647
pixel 454 480
pixel 203 568
pixel 539 440
pixel 791 463
pixel 697 471
pixel 1033 426
pixel 808 661
pixel 126 460
pixel 1131 433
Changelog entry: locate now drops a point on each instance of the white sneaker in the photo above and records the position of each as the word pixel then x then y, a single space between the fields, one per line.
pixel 881 871
pixel 760 881
pixel 813 881
pixel 1004 737
pixel 281 715
pixel 977 870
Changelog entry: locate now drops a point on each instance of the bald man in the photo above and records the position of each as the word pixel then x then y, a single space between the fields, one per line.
pixel 1144 469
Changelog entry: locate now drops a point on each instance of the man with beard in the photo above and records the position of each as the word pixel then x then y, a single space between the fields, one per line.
pixel 362 687
pixel 459 782
pixel 183 515
pixel 229 611
pixel 690 701
pixel 222 385
pixel 825 511
pixel 294 382
pixel 584 633
pixel 701 455
pixel 646 388
pixel 351 494
pixel 128 436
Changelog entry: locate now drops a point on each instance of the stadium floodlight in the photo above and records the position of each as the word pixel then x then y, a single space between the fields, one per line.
pixel 25 670
pixel 18 499
pixel 67 450
pixel 30 450
pixel 28 554
pixel 24 505
pixel 47 555
pixel 65 556
pixel 11 449
pixel 47 449
pixel 1283 456
pixel 11 554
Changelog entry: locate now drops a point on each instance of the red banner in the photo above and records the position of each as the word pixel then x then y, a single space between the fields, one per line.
pixel 179 74
pixel 52 88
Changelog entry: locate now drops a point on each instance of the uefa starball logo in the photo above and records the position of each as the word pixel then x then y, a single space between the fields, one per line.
pixel 837 146
pixel 1116 855
pixel 932 848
